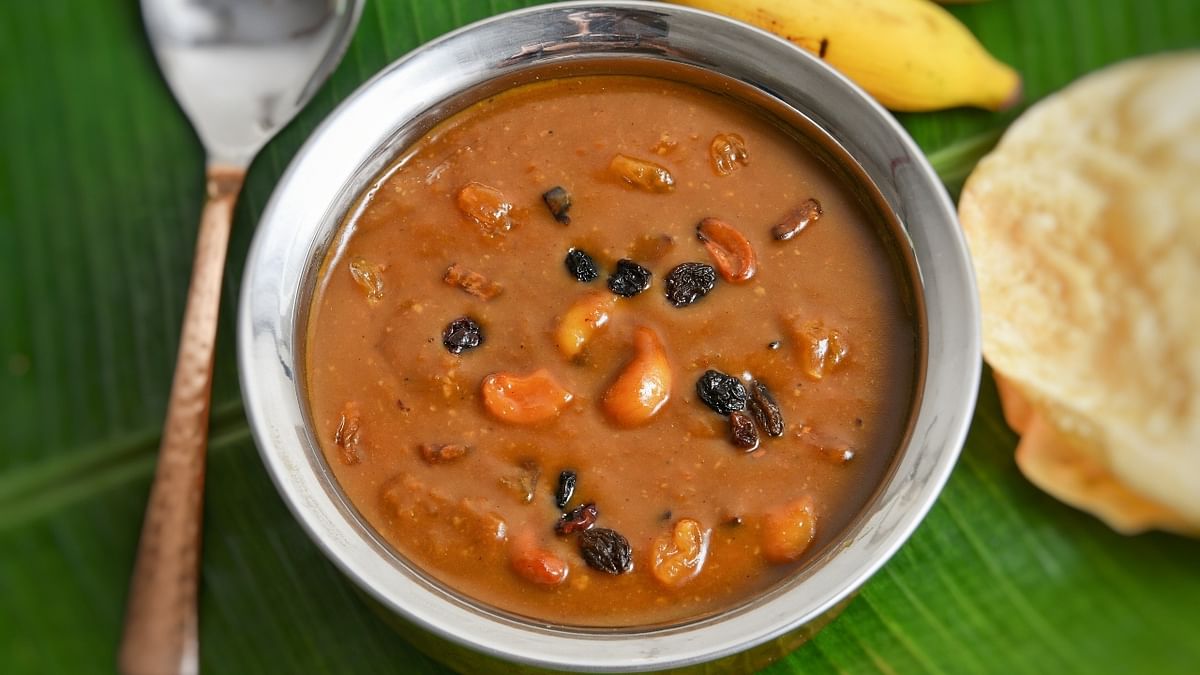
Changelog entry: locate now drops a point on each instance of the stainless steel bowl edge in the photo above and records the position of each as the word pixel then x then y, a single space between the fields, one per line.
pixel 374 123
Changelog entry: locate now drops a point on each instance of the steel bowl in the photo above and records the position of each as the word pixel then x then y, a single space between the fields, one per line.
pixel 346 153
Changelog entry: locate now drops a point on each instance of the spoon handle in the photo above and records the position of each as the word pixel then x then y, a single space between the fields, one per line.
pixel 161 635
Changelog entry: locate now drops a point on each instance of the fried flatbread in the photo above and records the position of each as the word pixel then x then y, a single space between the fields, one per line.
pixel 1084 225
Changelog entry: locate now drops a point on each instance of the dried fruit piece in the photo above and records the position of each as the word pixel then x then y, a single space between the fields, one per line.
pixel 723 393
pixel 651 247
pixel 644 385
pixel 765 410
pixel 797 219
pixel 529 399
pixel 822 350
pixel 462 334
pixel 788 531
pixel 443 453
pixel 346 437
pixel 836 454
pixel 679 556
pixel 577 519
pixel 587 316
pixel 369 276
pixel 472 282
pixel 629 278
pixel 642 174
pixel 558 201
pixel 728 153
pixel 606 550
pixel 487 207
pixel 566 488
pixel 524 481
pixel 742 431
pixel 729 248
pixel 689 282
pixel 538 565
pixel 581 266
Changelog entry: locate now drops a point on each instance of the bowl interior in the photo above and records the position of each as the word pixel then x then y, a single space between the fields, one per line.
pixel 344 158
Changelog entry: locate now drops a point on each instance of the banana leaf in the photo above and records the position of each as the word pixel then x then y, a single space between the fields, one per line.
pixel 100 190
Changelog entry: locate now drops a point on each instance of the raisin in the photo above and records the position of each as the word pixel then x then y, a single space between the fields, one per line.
pixel 723 393
pixel 488 207
pixel 524 482
pixel 442 453
pixel 651 247
pixel 472 282
pixel 581 266
pixel 369 277
pixel 578 519
pixel 742 430
pixel 689 282
pixel 461 334
pixel 346 436
pixel 558 201
pixel 629 279
pixel 766 411
pixel 797 220
pixel 728 153
pixel 679 556
pixel 606 550
pixel 566 488
pixel 788 530
pixel 642 174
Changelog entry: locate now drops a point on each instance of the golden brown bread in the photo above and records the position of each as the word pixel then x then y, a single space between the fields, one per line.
pixel 1084 225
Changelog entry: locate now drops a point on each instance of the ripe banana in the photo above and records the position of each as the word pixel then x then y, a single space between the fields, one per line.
pixel 911 55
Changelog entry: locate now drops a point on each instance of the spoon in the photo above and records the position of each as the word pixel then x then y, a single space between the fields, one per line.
pixel 240 69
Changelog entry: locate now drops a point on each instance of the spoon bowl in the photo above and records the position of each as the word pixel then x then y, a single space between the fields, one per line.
pixel 241 69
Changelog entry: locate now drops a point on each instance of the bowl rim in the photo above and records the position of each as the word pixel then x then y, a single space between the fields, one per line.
pixel 356 139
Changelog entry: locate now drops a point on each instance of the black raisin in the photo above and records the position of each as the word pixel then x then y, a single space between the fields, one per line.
pixel 578 519
pixel 766 411
pixel 566 488
pixel 606 550
pixel 461 334
pixel 723 393
pixel 689 282
pixel 742 431
pixel 629 279
pixel 558 201
pixel 581 266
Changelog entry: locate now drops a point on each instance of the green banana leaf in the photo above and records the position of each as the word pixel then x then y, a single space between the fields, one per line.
pixel 100 191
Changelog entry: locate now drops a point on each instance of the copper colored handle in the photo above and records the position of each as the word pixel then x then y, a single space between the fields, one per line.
pixel 160 615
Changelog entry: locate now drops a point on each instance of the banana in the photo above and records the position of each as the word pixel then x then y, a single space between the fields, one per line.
pixel 911 55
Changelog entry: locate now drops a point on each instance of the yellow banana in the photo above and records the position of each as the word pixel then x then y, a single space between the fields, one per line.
pixel 911 55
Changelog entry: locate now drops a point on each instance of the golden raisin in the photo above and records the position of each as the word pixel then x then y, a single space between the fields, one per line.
pixel 369 277
pixel 586 316
pixel 788 531
pixel 346 437
pixel 728 153
pixel 472 282
pixel 822 350
pixel 642 174
pixel 679 556
pixel 487 207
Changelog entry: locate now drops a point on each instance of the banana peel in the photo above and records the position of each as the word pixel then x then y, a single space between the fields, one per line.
pixel 911 55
